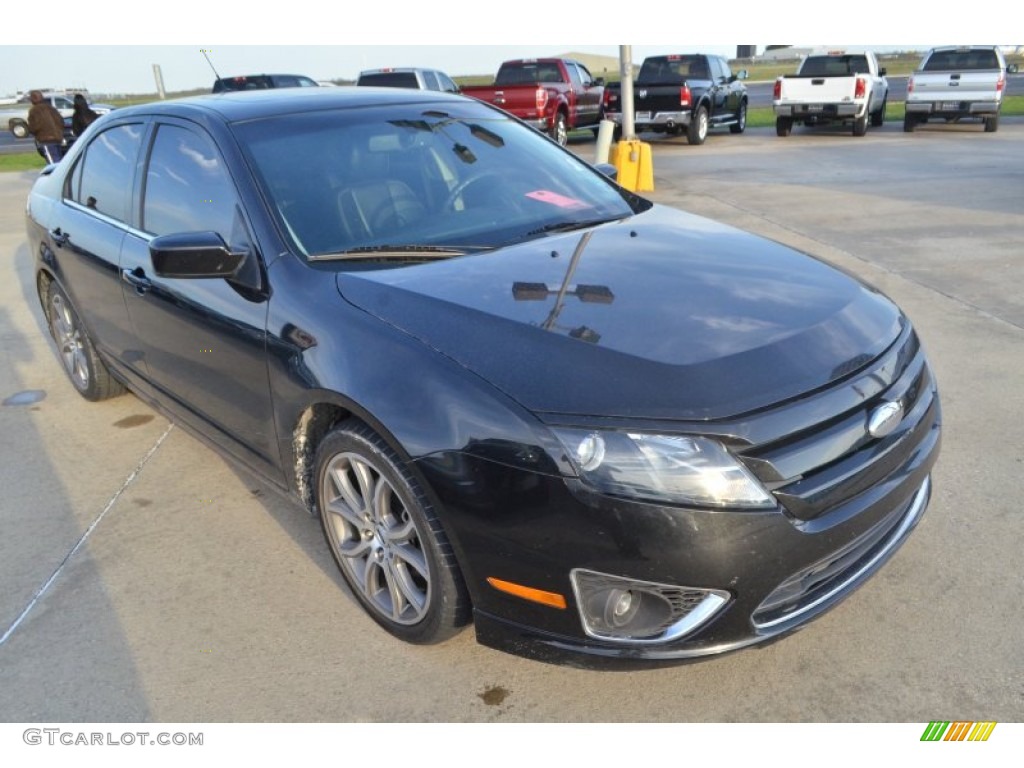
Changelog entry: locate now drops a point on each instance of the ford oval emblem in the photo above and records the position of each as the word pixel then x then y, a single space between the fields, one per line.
pixel 884 419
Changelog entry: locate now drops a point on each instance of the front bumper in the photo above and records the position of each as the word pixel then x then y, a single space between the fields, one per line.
pixel 779 572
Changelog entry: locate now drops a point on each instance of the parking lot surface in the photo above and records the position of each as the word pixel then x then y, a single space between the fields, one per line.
pixel 145 578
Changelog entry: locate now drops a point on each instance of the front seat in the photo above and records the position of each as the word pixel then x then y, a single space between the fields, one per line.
pixel 371 210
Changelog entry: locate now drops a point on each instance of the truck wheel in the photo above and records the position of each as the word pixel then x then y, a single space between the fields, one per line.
pixel 860 125
pixel 698 129
pixel 559 130
pixel 741 120
pixel 909 124
pixel 992 124
pixel 878 118
pixel 783 126
pixel 19 129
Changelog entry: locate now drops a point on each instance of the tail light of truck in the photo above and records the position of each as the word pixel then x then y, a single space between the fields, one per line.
pixel 861 88
pixel 685 97
pixel 1001 83
pixel 910 84
pixel 542 100
pixel 777 93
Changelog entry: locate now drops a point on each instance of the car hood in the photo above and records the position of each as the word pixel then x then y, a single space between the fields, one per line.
pixel 663 315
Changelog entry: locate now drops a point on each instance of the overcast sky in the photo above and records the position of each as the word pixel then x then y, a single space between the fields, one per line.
pixel 110 46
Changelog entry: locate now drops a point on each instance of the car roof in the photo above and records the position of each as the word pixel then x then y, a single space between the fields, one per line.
pixel 232 106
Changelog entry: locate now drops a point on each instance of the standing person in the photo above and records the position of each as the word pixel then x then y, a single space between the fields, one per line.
pixel 83 117
pixel 47 126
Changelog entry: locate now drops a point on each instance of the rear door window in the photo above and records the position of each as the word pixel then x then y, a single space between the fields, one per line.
pixel 103 178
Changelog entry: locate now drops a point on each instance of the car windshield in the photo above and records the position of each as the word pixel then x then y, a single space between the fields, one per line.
pixel 457 177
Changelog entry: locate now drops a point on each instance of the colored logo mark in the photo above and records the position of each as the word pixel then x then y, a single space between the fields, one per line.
pixel 960 731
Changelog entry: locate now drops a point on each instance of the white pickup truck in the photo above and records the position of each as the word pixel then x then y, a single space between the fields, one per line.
pixel 832 88
pixel 953 83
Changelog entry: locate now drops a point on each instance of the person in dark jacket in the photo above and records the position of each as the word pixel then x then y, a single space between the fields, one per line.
pixel 47 127
pixel 83 116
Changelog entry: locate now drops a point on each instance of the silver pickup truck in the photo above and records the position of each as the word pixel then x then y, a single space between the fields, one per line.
pixel 954 83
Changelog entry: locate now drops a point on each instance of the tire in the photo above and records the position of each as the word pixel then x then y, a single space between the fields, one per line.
pixel 87 373
pixel 783 126
pixel 386 539
pixel 19 129
pixel 860 125
pixel 560 130
pixel 909 124
pixel 697 131
pixel 741 120
pixel 878 118
pixel 992 124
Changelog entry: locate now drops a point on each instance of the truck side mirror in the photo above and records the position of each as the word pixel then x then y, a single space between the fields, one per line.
pixel 1012 69
pixel 598 81
pixel 881 72
pixel 741 75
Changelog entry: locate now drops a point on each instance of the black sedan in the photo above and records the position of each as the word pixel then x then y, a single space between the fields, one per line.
pixel 512 392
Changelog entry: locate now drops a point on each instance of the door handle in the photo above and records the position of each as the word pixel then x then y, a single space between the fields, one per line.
pixel 137 278
pixel 60 239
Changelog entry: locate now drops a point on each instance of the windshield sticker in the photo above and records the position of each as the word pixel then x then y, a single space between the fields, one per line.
pixel 553 198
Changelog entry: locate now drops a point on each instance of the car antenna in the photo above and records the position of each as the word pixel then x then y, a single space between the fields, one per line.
pixel 216 74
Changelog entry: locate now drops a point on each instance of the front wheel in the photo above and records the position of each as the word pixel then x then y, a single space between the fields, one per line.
pixel 560 130
pixel 741 120
pixel 83 366
pixel 19 129
pixel 783 126
pixel 386 539
pixel 698 128
pixel 909 124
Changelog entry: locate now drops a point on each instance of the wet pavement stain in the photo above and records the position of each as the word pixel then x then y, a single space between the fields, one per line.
pixel 133 421
pixel 142 502
pixel 494 695
pixel 27 397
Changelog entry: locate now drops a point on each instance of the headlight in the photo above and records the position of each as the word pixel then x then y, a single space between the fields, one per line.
pixel 664 468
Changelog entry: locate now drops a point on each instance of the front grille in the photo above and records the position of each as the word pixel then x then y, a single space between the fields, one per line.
pixel 817 467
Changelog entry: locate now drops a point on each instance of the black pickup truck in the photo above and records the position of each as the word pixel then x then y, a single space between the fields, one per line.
pixel 679 93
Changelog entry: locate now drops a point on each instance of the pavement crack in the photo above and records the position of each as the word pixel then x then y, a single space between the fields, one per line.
pixel 85 536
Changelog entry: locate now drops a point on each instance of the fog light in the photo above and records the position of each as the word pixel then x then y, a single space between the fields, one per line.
pixel 631 611
pixel 623 607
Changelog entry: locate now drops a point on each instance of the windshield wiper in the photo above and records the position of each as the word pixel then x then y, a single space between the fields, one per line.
pixel 570 226
pixel 371 252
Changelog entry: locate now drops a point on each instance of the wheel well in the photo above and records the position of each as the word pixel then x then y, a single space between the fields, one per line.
pixel 43 280
pixel 313 425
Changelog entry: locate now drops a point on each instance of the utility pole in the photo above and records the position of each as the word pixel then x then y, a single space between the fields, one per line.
pixel 158 75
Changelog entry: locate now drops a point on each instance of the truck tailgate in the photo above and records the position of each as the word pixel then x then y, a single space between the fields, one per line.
pixel 817 90
pixel 956 86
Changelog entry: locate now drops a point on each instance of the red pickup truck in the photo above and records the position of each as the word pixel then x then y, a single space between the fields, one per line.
pixel 553 95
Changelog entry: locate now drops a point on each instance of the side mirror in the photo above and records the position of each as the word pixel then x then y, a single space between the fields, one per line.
pixel 1012 69
pixel 598 81
pixel 194 255
pixel 742 75
pixel 881 72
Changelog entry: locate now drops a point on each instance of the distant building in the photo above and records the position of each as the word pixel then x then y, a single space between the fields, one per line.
pixel 746 51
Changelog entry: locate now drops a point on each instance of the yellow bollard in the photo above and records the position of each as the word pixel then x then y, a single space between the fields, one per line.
pixel 632 160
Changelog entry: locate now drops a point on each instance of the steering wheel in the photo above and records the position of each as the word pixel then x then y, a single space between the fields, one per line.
pixel 459 189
